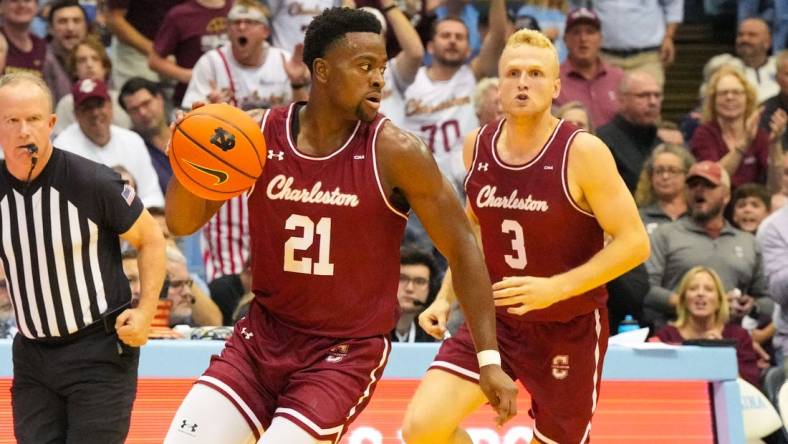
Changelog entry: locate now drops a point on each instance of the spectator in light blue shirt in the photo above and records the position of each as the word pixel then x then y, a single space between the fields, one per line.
pixel 551 16
pixel 638 35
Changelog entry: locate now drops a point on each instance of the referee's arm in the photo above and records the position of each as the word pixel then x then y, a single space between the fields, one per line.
pixel 146 237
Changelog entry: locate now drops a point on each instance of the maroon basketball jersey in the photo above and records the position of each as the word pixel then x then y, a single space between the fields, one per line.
pixel 530 225
pixel 325 239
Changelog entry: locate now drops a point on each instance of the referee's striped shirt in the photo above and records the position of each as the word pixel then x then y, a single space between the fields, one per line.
pixel 60 247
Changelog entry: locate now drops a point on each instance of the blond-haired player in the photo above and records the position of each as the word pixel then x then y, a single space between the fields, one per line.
pixel 542 193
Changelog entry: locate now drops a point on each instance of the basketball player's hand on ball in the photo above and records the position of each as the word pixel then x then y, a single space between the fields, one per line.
pixel 526 293
pixel 434 318
pixel 133 326
pixel 179 116
pixel 500 391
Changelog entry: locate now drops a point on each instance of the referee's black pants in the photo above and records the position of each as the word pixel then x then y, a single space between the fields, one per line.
pixel 75 393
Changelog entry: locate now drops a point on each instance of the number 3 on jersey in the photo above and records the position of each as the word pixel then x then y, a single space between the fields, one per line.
pixel 305 266
pixel 518 260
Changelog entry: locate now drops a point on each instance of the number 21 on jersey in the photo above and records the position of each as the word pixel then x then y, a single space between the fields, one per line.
pixel 518 259
pixel 306 265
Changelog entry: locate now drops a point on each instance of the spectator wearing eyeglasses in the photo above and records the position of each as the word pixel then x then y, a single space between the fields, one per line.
pixel 730 134
pixel 190 305
pixel 632 133
pixel 417 289
pixel 660 194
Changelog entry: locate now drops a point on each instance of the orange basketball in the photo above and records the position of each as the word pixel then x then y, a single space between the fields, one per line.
pixel 215 151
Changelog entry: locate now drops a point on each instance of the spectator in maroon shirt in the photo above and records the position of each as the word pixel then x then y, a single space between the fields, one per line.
pixel 730 134
pixel 26 52
pixel 703 313
pixel 188 31
pixel 585 77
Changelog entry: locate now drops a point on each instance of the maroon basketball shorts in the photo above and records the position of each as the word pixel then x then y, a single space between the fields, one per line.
pixel 321 384
pixel 559 363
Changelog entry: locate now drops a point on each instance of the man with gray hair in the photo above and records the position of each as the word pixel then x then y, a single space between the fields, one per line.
pixel 190 305
pixel 705 238
pixel 486 101
pixel 632 133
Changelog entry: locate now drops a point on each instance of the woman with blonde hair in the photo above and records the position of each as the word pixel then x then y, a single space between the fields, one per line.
pixel 730 134
pixel 703 312
pixel 660 190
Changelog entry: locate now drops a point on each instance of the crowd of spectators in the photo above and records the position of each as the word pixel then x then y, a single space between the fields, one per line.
pixel 711 188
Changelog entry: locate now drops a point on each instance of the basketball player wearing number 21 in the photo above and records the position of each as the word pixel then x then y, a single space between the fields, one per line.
pixel 541 193
pixel 326 220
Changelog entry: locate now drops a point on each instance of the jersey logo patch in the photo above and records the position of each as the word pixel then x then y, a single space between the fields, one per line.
pixel 484 166
pixel 337 353
pixel 560 367
pixel 221 176
pixel 358 157
pixel 548 167
pixel 280 155
pixel 246 334
pixel 128 194
pixel 222 139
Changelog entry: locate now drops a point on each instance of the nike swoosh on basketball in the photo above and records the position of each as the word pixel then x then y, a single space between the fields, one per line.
pixel 221 176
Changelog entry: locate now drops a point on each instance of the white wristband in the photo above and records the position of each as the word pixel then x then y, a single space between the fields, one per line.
pixel 488 357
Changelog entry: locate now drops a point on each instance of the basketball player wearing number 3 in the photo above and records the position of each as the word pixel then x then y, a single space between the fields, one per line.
pixel 326 220
pixel 541 193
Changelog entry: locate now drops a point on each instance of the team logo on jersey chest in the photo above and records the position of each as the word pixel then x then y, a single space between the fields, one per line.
pixel 337 353
pixel 488 197
pixel 282 187
pixel 278 155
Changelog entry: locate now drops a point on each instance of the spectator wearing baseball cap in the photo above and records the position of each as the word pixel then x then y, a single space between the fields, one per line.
pixel 89 59
pixel 94 137
pixel 585 77
pixel 705 238
pixel 639 38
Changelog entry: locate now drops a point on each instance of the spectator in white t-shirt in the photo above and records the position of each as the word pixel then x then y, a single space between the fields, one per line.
pixel 94 137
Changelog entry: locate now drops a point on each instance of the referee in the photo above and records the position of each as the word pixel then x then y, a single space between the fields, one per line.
pixel 61 219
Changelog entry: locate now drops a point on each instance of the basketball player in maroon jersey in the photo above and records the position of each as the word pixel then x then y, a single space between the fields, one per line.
pixel 541 193
pixel 326 221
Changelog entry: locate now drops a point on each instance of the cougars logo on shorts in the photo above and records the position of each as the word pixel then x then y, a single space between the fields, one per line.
pixel 337 353
pixel 560 366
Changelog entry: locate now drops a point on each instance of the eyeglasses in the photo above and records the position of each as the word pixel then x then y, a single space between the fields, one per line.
pixel 668 171
pixel 418 282
pixel 180 284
